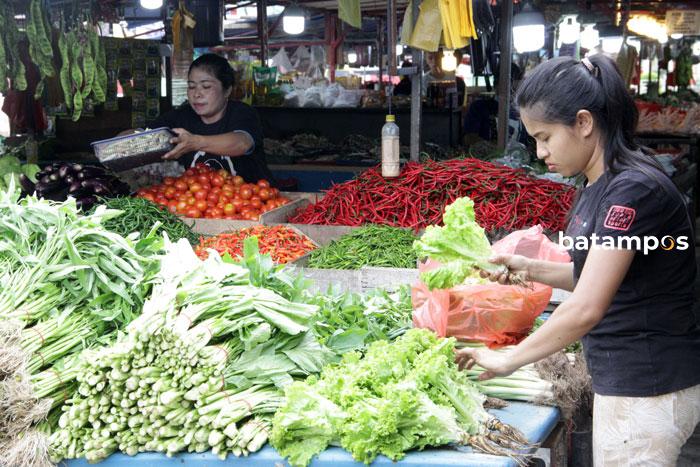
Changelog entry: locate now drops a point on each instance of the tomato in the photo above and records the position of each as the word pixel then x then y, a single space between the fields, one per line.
pixel 172 206
pixel 229 209
pixel 193 212
pixel 253 215
pixel 227 193
pixel 262 183
pixel 224 199
pixel 256 203
pixel 217 212
pixel 203 179
pixel 238 180
pixel 223 173
pixel 274 192
pixel 181 206
pixel 237 203
pixel 168 181
pixel 216 180
pixel 215 189
pixel 246 193
pixel 227 186
pixel 195 187
pixel 256 189
pixel 282 200
pixel 201 205
pixel 141 192
pixel 201 195
pixel 180 185
pixel 190 172
pixel 149 197
pixel 265 194
pixel 169 192
pixel 161 200
pixel 190 200
pixel 212 198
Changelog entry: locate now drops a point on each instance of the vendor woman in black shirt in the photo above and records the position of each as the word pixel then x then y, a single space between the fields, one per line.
pixel 212 129
pixel 632 273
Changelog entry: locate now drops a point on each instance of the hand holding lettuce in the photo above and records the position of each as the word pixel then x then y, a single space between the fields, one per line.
pixel 460 245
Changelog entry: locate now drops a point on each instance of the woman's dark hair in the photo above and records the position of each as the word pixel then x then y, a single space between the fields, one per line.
pixel 217 66
pixel 559 88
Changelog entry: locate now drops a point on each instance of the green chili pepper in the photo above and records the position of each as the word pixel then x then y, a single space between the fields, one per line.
pixel 370 245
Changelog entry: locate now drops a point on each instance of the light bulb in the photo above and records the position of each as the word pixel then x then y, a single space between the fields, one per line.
pixel 151 4
pixel 528 29
pixel 612 45
pixel 528 38
pixel 449 61
pixel 663 39
pixel 399 49
pixel 352 57
pixel 676 36
pixel 590 37
pixel 293 20
pixel 569 30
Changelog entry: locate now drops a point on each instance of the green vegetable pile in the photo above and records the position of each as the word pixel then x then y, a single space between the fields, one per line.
pixel 202 368
pixel 370 245
pixel 349 321
pixel 400 396
pixel 461 246
pixel 11 169
pixel 140 215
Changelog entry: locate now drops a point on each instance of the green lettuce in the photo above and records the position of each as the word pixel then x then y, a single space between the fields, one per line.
pixel 401 395
pixel 460 245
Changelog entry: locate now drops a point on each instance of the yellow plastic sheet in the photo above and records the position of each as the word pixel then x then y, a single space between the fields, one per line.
pixel 426 34
pixel 349 11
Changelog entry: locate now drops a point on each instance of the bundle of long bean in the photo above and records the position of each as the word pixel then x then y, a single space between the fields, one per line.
pixel 370 245
pixel 140 215
pixel 200 369
pixel 504 198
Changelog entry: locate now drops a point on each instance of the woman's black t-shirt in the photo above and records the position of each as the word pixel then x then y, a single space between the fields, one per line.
pixel 648 343
pixel 238 117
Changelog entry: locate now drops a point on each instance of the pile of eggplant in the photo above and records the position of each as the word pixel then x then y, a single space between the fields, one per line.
pixel 85 183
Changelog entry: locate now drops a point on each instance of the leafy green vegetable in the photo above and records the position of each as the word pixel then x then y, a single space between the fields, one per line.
pixel 10 164
pixel 30 170
pixel 460 245
pixel 403 395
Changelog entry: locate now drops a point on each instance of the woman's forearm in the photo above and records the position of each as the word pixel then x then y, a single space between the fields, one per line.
pixel 554 274
pixel 231 144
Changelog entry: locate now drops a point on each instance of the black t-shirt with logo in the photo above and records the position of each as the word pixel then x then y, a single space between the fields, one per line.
pixel 238 117
pixel 648 343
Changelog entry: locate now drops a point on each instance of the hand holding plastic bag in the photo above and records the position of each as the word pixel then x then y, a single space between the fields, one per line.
pixel 491 313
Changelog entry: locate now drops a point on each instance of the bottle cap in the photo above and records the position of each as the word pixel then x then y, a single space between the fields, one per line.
pixel 391 118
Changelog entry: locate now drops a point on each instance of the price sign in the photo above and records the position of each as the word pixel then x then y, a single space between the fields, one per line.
pixel 686 22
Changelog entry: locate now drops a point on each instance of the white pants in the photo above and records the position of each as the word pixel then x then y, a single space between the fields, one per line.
pixel 643 431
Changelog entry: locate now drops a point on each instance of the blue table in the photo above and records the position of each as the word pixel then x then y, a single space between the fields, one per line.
pixel 536 422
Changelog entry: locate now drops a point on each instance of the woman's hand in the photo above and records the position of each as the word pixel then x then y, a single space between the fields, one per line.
pixel 516 264
pixel 495 363
pixel 185 142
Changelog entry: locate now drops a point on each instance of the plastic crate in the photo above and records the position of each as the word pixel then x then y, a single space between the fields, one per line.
pixel 135 150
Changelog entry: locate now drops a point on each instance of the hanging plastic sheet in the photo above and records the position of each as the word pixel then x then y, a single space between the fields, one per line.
pixel 282 62
pixel 426 34
pixel 349 11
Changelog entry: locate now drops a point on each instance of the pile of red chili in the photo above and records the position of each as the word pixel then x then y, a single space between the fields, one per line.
pixel 281 243
pixel 504 198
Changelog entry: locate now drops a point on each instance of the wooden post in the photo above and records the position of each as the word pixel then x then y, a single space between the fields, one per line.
pixel 416 89
pixel 262 30
pixel 504 84
pixel 391 36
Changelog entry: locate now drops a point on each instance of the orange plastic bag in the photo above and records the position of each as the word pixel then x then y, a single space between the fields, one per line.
pixel 494 314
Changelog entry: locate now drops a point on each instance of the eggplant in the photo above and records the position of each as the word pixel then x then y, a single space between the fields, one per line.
pixel 27 184
pixel 54 177
pixel 45 179
pixel 74 187
pixel 68 179
pixel 77 167
pixel 97 186
pixel 91 172
pixel 64 171
pixel 48 169
pixel 57 195
pixel 86 203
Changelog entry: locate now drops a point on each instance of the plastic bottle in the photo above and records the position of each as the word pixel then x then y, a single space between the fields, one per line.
pixel 390 148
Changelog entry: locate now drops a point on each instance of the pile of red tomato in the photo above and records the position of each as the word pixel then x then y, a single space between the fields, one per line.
pixel 214 194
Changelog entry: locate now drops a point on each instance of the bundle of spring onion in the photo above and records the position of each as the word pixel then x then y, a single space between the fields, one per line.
pixel 200 369
pixel 403 395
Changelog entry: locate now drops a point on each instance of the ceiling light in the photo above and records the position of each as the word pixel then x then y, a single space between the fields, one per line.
pixel 151 4
pixel 528 29
pixel 294 20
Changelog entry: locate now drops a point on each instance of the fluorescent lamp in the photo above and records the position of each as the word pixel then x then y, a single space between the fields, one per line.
pixel 399 49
